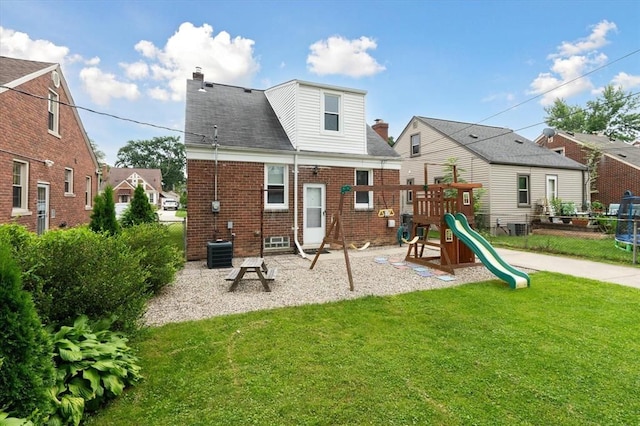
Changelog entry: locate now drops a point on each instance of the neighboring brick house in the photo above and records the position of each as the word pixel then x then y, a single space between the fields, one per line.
pixel 618 168
pixel 273 174
pixel 518 176
pixel 124 181
pixel 48 170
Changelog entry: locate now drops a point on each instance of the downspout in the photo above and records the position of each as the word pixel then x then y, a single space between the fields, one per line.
pixel 295 205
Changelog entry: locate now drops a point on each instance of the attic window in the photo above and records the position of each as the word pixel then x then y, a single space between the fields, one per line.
pixel 473 136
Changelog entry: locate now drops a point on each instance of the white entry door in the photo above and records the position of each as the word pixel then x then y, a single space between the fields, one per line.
pixel 42 208
pixel 314 214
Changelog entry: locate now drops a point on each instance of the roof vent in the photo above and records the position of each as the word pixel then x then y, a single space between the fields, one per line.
pixel 208 84
pixel 247 90
pixel 519 141
pixel 622 155
pixel 571 133
pixel 474 136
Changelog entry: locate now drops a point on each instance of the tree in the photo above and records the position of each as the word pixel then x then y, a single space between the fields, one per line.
pixel 100 155
pixel 103 217
pixel 614 113
pixel 165 153
pixel 139 210
pixel 390 141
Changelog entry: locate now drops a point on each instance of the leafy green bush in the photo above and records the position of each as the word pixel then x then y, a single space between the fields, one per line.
pixel 103 217
pixel 139 211
pixel 26 368
pixel 81 272
pixel 93 364
pixel 159 257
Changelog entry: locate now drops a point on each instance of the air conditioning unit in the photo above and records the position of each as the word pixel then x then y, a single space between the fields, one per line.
pixel 517 229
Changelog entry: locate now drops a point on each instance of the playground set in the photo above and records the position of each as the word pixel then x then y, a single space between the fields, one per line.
pixel 627 237
pixel 448 209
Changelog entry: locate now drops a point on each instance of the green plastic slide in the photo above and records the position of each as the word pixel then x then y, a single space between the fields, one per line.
pixel 485 251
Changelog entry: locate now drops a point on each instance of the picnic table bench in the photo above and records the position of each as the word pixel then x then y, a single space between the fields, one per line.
pixel 252 264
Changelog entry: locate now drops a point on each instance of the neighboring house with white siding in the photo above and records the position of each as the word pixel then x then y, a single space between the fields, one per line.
pixel 517 175
pixel 266 167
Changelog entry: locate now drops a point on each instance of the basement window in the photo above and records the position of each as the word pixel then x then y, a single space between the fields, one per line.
pixel 276 242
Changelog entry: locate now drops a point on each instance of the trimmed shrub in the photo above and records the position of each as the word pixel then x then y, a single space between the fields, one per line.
pixel 139 211
pixel 81 272
pixel 103 217
pixel 94 365
pixel 159 257
pixel 26 367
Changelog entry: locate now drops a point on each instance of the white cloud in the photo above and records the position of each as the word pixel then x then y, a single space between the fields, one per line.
pixel 92 62
pixel 504 96
pixel 159 94
pixel 136 71
pixel 101 86
pixel 571 61
pixel 337 55
pixel 19 45
pixel 626 81
pixel 222 59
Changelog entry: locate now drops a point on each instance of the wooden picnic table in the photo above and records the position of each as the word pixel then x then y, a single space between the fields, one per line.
pixel 252 264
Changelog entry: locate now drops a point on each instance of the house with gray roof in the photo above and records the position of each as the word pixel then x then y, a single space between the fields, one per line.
pixel 614 169
pixel 519 178
pixel 265 168
pixel 124 181
pixel 48 170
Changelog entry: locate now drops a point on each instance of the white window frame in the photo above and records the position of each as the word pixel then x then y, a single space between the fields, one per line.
pixel 369 204
pixel 24 184
pixel 88 200
pixel 285 185
pixel 323 127
pixel 526 190
pixel 415 152
pixel 53 111
pixel 68 181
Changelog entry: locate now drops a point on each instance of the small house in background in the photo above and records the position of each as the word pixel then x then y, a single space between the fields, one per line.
pixel 124 181
pixel 614 166
pixel 519 178
pixel 266 167
pixel 48 170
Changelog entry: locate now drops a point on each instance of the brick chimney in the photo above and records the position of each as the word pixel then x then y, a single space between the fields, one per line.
pixel 197 75
pixel 381 128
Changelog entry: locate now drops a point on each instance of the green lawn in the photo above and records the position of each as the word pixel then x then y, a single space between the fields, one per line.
pixel 563 352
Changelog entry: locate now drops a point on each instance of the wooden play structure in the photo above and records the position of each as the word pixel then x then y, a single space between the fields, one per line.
pixel 430 203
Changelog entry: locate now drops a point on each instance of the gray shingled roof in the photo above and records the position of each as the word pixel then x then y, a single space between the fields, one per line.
pixel 499 145
pixel 245 119
pixel 617 149
pixel 117 174
pixel 12 69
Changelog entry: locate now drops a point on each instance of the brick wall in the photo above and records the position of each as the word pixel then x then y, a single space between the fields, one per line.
pixel 614 177
pixel 23 132
pixel 240 195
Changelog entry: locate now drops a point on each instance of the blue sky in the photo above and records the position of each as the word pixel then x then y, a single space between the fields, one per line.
pixel 471 61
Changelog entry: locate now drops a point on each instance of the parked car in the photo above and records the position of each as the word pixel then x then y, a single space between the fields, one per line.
pixel 170 205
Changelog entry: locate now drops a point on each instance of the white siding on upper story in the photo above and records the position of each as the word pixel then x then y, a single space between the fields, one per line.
pixel 299 107
pixel 283 101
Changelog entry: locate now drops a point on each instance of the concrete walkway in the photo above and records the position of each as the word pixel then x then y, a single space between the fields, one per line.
pixel 624 275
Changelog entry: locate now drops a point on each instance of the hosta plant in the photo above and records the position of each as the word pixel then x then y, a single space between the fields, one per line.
pixel 93 365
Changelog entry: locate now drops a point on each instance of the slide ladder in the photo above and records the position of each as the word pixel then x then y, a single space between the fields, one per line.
pixel 485 251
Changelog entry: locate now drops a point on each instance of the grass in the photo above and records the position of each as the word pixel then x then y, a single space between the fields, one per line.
pixel 564 351
pixel 181 213
pixel 599 250
pixel 176 235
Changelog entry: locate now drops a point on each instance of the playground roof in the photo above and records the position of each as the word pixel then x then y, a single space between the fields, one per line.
pixel 499 145
pixel 617 149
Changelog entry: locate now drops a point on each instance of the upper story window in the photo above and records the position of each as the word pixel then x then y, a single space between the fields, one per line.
pixel 364 199
pixel 68 181
pixel 20 185
pixel 415 145
pixel 87 191
pixel 53 107
pixel 277 185
pixel 524 194
pixel 332 112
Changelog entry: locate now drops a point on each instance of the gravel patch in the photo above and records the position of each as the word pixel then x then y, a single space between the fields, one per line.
pixel 199 292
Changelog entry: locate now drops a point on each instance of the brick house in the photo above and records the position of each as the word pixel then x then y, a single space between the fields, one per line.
pixel 266 167
pixel 48 170
pixel 618 167
pixel 518 176
pixel 124 181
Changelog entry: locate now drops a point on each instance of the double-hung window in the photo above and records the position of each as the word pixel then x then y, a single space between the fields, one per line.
pixel 524 191
pixel 87 191
pixel 277 183
pixel 68 181
pixel 415 145
pixel 331 113
pixel 54 108
pixel 20 186
pixel 364 199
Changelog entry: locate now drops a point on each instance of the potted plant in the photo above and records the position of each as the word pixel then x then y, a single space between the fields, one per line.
pixel 567 209
pixel 597 207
